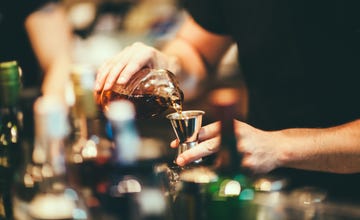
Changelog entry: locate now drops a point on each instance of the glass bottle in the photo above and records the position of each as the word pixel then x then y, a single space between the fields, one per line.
pixel 10 133
pixel 230 196
pixel 133 191
pixel 152 91
pixel 54 199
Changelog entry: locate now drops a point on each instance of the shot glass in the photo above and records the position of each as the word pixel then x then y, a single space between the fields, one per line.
pixel 186 126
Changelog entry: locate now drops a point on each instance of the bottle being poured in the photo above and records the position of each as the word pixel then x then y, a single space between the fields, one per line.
pixel 152 91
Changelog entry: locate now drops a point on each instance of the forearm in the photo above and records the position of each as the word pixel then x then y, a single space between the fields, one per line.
pixel 335 149
pixel 50 36
pixel 185 60
pixel 196 52
pixel 187 65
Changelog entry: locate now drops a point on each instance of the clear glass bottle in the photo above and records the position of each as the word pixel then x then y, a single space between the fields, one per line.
pixel 89 150
pixel 54 199
pixel 10 133
pixel 152 91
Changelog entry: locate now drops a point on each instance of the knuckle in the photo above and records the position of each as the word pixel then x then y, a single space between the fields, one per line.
pixel 137 44
pixel 150 53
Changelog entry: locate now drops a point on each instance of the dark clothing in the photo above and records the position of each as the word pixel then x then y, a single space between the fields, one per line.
pixel 14 42
pixel 300 59
pixel 301 64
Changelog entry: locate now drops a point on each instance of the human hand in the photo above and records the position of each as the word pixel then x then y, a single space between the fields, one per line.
pixel 260 152
pixel 133 58
pixel 209 141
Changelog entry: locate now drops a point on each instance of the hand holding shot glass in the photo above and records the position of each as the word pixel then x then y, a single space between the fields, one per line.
pixel 186 125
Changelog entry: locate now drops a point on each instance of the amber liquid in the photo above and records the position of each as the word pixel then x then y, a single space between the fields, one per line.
pixel 146 105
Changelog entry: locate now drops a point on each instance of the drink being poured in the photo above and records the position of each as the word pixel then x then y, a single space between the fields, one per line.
pixel 153 92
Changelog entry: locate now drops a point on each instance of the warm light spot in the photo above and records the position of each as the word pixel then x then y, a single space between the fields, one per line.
pixel 36 173
pixel 47 171
pixel 77 158
pixel 28 181
pixel 129 186
pixel 230 188
pixel 89 150
pixel 264 185
pixel 14 134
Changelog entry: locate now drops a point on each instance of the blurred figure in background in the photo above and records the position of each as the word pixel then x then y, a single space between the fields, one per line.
pixel 300 63
pixel 38 36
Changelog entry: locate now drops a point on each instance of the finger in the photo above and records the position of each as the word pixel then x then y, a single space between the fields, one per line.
pixel 102 74
pixel 105 67
pixel 129 70
pixel 174 143
pixel 114 74
pixel 117 66
pixel 201 150
pixel 141 57
pixel 209 131
pixel 105 70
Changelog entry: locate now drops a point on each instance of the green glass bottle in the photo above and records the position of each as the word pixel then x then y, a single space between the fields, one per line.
pixel 230 197
pixel 10 131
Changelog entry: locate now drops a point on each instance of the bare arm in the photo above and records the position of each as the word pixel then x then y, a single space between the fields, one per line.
pixel 335 149
pixel 200 50
pixel 50 36
pixel 193 51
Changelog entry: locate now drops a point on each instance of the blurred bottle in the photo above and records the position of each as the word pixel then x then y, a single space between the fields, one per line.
pixel 191 200
pixel 133 191
pixel 230 196
pixel 53 199
pixel 89 151
pixel 152 91
pixel 10 132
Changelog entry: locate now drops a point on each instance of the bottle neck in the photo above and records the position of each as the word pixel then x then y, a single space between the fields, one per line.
pixel 80 127
pixel 9 94
pixel 84 110
pixel 225 103
pixel 229 156
pixel 51 130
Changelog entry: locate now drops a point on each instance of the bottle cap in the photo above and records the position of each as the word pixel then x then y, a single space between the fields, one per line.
pixel 9 72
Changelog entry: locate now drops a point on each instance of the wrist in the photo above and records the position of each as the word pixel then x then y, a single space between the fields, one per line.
pixel 174 65
pixel 284 149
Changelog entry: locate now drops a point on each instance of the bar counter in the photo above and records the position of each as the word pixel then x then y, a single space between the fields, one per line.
pixel 281 194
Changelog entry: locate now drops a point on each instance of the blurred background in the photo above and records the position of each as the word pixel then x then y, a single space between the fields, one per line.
pixel 104 27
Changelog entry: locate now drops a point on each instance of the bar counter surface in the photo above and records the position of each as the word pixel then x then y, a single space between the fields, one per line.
pixel 281 194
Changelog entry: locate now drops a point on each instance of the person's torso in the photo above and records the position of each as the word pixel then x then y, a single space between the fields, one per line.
pixel 299 58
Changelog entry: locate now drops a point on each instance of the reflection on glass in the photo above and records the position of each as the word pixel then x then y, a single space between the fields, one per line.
pixel 186 126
